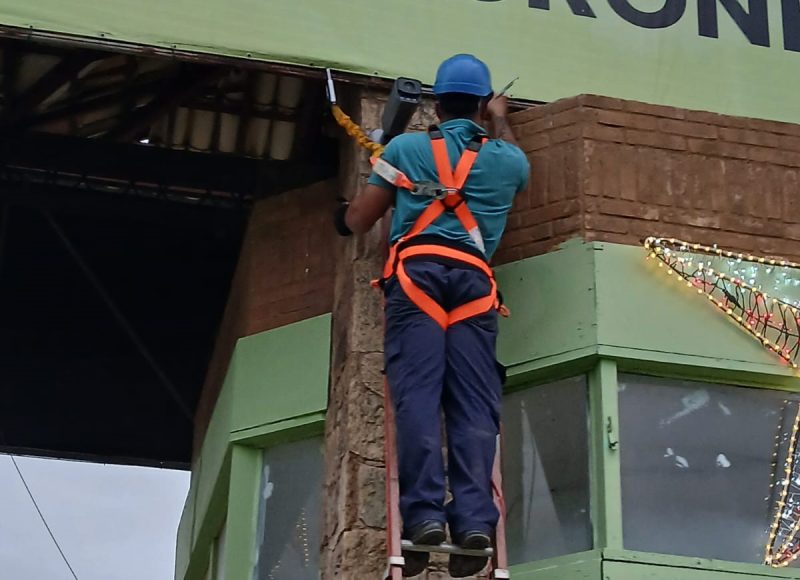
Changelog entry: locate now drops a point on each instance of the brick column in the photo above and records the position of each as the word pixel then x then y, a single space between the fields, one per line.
pixel 618 171
pixel 284 275
pixel 352 543
pixel 354 537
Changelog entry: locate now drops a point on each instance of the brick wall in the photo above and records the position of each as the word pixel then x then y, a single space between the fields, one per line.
pixel 284 275
pixel 614 170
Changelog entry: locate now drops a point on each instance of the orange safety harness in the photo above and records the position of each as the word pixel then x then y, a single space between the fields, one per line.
pixel 451 200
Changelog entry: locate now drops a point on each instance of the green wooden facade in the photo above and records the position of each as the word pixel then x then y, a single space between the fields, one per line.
pixel 275 390
pixel 588 308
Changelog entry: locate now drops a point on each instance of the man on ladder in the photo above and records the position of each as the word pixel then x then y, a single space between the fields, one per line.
pixel 452 189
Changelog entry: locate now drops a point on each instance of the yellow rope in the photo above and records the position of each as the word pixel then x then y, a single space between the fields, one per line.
pixel 356 132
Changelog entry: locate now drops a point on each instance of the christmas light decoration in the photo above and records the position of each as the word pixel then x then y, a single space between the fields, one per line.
pixel 782 546
pixel 301 540
pixel 775 323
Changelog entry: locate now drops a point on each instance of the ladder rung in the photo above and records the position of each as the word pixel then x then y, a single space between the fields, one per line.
pixel 446 549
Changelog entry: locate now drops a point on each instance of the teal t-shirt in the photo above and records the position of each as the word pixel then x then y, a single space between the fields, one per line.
pixel 500 171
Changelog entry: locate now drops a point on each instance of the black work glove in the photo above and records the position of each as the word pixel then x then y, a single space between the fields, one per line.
pixel 338 218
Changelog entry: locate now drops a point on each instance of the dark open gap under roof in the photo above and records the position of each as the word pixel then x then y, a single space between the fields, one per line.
pixel 125 184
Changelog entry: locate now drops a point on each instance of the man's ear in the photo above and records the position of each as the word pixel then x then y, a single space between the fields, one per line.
pixel 438 109
pixel 482 106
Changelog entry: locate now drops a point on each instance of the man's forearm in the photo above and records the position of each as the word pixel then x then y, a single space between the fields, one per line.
pixel 365 209
pixel 499 128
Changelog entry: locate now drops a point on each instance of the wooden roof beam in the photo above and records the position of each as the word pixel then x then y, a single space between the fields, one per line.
pixel 187 82
pixel 63 72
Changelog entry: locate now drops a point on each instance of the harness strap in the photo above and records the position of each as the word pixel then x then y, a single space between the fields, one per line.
pixel 391 173
pixel 426 218
pixel 442 160
pixel 454 181
pixel 427 304
pixel 447 177
pixel 468 158
pixel 446 252
pixel 424 302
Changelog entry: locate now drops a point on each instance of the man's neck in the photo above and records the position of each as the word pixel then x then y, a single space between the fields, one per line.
pixel 475 119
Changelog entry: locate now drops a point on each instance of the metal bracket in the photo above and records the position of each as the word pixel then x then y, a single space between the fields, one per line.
pixel 446 548
pixel 395 564
pixel 611 436
pixel 329 87
pixel 432 189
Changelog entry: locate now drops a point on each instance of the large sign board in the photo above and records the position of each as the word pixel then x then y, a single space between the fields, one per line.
pixel 731 56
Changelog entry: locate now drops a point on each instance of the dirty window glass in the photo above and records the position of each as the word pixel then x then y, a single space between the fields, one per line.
pixel 698 473
pixel 546 471
pixel 290 513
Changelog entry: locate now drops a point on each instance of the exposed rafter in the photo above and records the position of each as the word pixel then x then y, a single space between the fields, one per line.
pixel 148 171
pixel 310 112
pixel 245 110
pixel 187 82
pixel 98 100
pixel 246 113
pixel 63 72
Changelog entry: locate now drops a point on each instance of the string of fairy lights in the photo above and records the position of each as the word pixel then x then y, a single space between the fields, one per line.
pixel 780 440
pixel 782 546
pixel 775 323
pixel 301 538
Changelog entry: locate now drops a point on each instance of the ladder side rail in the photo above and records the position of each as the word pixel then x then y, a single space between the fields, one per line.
pixel 393 545
pixel 499 567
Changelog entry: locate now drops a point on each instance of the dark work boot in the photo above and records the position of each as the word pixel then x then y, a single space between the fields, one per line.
pixel 463 566
pixel 427 533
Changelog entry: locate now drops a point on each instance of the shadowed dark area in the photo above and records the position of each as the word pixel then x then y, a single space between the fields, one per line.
pixel 73 381
pixel 125 184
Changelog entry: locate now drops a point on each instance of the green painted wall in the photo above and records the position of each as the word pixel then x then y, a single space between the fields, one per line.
pixel 275 389
pixel 586 566
pixel 600 299
pixel 183 548
pixel 591 308
pixel 281 374
pixel 552 300
pixel 628 571
pixel 555 52
pixel 639 307
pixel 242 517
pixel 624 571
pixel 629 565
pixel 626 565
pixel 214 451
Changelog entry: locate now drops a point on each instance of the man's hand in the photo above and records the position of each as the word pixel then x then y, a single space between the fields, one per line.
pixel 497 107
pixel 339 221
pixel 497 116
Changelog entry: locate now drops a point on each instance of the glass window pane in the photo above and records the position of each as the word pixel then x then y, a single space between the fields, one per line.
pixel 546 471
pixel 290 516
pixel 697 466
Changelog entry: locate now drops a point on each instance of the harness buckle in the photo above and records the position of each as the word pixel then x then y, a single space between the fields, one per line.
pixel 432 189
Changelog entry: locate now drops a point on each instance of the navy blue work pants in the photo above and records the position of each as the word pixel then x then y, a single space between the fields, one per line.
pixel 455 370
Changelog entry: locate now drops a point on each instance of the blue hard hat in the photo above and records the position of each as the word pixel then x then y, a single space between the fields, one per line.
pixel 463 73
